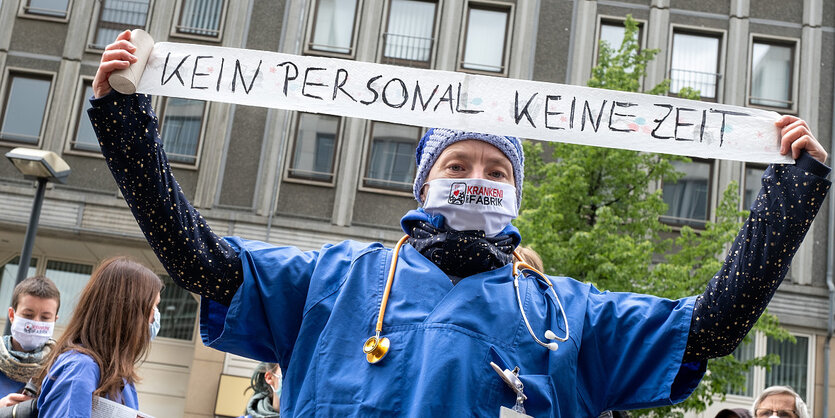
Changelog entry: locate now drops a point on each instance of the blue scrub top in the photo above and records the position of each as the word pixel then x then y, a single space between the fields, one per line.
pixel 8 385
pixel 311 312
pixel 67 389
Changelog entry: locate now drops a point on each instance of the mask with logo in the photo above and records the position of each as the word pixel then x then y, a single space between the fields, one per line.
pixel 472 204
pixel 154 326
pixel 31 335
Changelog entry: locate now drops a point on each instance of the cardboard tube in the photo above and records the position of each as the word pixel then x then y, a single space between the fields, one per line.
pixel 125 81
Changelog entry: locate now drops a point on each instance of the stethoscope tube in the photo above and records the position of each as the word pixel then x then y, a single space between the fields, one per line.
pixel 518 270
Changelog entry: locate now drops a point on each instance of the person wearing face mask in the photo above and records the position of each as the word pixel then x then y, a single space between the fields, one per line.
pixel 422 329
pixel 34 310
pixel 109 333
pixel 266 385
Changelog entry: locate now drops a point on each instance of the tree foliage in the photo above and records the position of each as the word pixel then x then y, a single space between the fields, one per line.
pixel 594 213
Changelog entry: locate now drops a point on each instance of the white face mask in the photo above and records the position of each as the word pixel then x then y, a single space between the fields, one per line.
pixel 31 335
pixel 472 204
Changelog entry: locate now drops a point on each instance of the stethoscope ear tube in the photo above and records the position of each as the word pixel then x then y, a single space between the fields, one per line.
pixel 518 268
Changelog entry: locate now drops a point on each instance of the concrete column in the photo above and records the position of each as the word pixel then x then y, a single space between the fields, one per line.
pixel 449 35
pixel 657 38
pixel 584 39
pixel 523 47
pixel 61 106
pixel 349 173
pixel 807 106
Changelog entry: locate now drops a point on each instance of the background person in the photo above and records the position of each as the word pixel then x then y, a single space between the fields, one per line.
pixel 779 402
pixel 34 310
pixel 266 385
pixel 110 331
pixel 452 307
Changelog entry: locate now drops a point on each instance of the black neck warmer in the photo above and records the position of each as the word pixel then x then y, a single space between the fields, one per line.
pixel 461 253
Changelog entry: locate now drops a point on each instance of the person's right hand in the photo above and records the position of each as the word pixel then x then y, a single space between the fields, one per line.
pixel 13 399
pixel 117 56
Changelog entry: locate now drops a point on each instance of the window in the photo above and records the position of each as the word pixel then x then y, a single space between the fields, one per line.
pixel 687 198
pixel 70 279
pixel 391 164
pixel 795 369
pixel 85 138
pixel 695 64
pixel 8 277
pixel 24 108
pixel 200 18
pixel 333 26
pixel 181 128
pixel 48 8
pixel 409 36
pixel 612 32
pixel 753 177
pixel 315 149
pixel 178 311
pixel 116 16
pixel 486 39
pixel 771 74
pixel 745 352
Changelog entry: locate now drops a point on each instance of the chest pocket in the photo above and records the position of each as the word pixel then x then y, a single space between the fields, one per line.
pixel 539 389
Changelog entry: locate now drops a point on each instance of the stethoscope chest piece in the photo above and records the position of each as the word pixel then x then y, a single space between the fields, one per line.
pixel 375 348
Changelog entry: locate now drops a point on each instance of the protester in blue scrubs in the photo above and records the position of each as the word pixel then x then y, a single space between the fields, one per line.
pixel 34 310
pixel 445 335
pixel 110 331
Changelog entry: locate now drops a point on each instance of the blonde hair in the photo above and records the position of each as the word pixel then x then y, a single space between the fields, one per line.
pixel 531 257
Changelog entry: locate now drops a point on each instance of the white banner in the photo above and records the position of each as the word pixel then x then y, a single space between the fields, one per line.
pixel 432 98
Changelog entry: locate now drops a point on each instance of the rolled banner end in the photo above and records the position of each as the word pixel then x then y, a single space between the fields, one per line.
pixel 125 81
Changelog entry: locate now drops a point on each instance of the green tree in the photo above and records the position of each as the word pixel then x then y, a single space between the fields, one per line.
pixel 603 214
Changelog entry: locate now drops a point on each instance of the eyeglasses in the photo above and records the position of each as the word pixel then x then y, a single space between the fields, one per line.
pixel 780 413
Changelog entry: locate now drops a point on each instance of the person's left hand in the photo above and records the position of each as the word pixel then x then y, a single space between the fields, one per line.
pixel 13 399
pixel 796 136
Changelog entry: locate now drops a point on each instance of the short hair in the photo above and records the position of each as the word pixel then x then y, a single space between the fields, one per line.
pixel 39 287
pixel 799 406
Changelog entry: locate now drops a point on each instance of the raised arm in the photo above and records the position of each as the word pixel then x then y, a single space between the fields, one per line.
pixel 127 129
pixel 760 256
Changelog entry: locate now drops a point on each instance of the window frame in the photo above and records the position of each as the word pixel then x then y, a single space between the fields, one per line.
pixel 366 160
pixel 311 29
pixel 161 103
pixel 760 342
pixel 90 46
pixel 195 324
pixel 616 20
pixel 23 12
pixel 4 101
pixel 510 9
pixel 175 24
pixel 719 34
pixel 384 29
pixel 75 118
pixel 677 223
pixel 337 149
pixel 794 43
pixel 743 183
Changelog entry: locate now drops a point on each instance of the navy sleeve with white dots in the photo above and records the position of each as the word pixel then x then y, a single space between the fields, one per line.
pixel 759 258
pixel 204 263
pixel 195 258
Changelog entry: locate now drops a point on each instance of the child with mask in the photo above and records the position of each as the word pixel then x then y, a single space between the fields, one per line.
pixel 110 331
pixel 34 310
pixel 266 383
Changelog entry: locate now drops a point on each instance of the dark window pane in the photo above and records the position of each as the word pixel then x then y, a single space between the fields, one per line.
pixel 53 8
pixel 745 352
pixel 688 197
pixel 25 109
pixel 392 161
pixel 70 279
pixel 771 74
pixel 695 64
pixel 409 33
pixel 333 30
pixel 116 16
pixel 178 311
pixel 85 137
pixel 181 126
pixel 201 17
pixel 315 146
pixel 793 367
pixel 753 177
pixel 484 45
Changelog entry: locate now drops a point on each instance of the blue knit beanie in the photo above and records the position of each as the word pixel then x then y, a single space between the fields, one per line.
pixel 435 140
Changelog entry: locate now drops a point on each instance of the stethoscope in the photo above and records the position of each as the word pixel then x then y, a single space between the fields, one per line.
pixel 375 347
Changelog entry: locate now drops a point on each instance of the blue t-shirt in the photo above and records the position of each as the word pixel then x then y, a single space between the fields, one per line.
pixel 67 390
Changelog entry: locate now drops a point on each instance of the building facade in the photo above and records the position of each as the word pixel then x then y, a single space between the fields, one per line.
pixel 302 179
